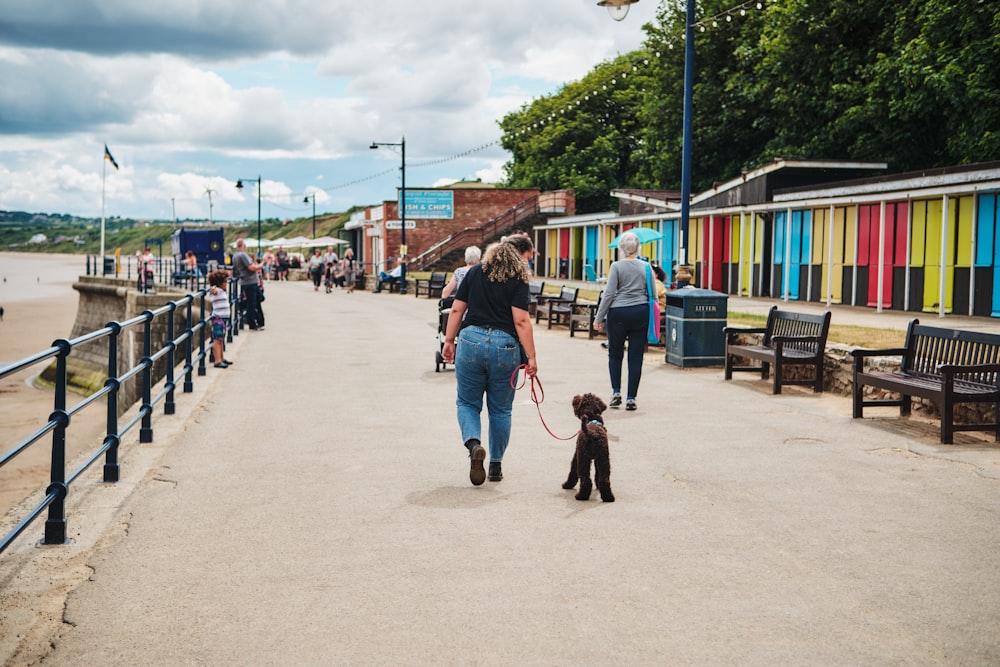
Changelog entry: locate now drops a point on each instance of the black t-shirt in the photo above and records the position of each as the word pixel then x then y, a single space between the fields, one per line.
pixel 489 303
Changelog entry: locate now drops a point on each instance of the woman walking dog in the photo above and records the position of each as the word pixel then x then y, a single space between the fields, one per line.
pixel 490 319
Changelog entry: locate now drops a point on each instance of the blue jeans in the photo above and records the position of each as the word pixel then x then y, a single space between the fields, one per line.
pixel 627 323
pixel 484 361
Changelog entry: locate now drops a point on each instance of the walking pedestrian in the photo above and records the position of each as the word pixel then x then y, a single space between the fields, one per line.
pixel 331 263
pixel 490 320
pixel 625 305
pixel 316 268
pixel 350 268
pixel 472 257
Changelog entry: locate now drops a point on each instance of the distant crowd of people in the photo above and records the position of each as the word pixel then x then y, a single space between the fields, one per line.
pixel 331 271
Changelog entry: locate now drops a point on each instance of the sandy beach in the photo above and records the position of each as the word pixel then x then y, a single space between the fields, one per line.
pixel 39 302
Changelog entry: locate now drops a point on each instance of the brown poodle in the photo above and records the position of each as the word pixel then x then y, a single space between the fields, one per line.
pixel 591 445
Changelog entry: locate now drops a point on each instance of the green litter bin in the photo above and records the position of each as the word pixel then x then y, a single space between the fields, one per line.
pixel 695 320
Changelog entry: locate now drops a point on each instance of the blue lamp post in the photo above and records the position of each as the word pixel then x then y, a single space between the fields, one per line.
pixel 618 10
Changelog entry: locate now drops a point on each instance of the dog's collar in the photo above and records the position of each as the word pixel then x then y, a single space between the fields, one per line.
pixel 595 421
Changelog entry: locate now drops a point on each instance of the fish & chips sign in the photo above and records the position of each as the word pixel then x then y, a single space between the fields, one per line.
pixel 427 204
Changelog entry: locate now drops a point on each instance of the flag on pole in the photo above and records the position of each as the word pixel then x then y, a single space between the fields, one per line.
pixel 107 155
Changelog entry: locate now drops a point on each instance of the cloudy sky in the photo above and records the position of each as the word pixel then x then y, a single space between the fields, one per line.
pixel 191 95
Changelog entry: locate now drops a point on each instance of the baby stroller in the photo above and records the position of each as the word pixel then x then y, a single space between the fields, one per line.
pixel 444 310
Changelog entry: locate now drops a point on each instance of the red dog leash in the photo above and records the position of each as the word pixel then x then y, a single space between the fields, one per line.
pixel 537 396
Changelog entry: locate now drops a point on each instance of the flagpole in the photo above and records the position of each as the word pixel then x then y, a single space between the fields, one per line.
pixel 104 173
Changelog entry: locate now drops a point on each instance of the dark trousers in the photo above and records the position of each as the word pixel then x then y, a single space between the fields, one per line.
pixel 251 295
pixel 628 323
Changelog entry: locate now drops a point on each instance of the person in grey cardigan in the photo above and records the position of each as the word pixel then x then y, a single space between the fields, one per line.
pixel 625 306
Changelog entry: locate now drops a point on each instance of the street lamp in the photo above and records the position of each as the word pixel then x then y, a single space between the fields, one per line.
pixel 618 10
pixel 239 186
pixel 402 212
pixel 688 121
pixel 305 200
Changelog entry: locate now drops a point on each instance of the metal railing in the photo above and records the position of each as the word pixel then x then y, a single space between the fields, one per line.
pixel 190 345
pixel 167 271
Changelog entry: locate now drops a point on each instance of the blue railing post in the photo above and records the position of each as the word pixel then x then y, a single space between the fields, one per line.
pixel 111 468
pixel 188 346
pixel 234 311
pixel 146 430
pixel 201 337
pixel 55 525
pixel 169 407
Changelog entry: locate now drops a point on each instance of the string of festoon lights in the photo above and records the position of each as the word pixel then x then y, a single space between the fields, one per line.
pixel 633 68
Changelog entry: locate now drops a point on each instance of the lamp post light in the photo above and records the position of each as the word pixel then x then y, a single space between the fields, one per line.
pixel 239 186
pixel 402 211
pixel 618 9
pixel 305 200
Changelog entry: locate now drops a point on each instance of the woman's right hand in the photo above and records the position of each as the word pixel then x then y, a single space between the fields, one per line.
pixel 531 368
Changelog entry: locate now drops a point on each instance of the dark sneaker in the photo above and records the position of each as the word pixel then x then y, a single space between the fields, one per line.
pixel 630 404
pixel 616 401
pixel 495 473
pixel 477 475
pixel 222 364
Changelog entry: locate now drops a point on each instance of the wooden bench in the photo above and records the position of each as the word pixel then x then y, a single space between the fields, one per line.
pixel 584 310
pixel 559 308
pixel 535 289
pixel 946 366
pixel 788 339
pixel 430 285
pixel 546 291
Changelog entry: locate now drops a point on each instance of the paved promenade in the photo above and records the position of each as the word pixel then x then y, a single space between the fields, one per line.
pixel 311 506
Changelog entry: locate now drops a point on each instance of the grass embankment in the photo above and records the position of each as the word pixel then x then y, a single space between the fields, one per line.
pixel 131 235
pixel 844 334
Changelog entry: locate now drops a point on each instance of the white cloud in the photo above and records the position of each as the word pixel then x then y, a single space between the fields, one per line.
pixel 191 94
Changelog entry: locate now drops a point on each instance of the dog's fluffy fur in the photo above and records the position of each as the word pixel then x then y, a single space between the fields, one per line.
pixel 591 445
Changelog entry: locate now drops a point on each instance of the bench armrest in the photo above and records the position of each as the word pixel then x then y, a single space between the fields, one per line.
pixel 958 369
pixel 732 332
pixel 744 330
pixel 861 355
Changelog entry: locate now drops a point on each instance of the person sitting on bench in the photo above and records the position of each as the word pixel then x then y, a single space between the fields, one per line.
pixel 389 279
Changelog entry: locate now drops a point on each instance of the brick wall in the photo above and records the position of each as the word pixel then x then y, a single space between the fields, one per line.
pixel 472 207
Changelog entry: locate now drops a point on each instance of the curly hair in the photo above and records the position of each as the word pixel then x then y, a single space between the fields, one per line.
pixel 503 261
pixel 218 278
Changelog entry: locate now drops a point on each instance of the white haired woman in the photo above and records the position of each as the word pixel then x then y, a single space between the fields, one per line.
pixel 625 305
pixel 472 257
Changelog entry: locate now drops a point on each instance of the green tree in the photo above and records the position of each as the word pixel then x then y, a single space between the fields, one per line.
pixel 912 83
pixel 585 137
